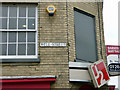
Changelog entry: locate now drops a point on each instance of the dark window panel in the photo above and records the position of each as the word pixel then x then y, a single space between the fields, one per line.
pixel 11 49
pixel 0 23
pixel 21 36
pixel 0 49
pixel 85 36
pixel 0 37
pixel 4 36
pixel 13 23
pixel 31 23
pixel 3 23
pixel 22 11
pixel 4 49
pixel 31 49
pixel 4 11
pixel 31 11
pixel 12 11
pixel 21 49
pixel 31 37
pixel 12 36
pixel 21 23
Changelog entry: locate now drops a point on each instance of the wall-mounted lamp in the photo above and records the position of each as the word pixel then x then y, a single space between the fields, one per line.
pixel 51 10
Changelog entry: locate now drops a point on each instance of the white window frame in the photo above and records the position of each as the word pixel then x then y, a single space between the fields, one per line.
pixel 18 30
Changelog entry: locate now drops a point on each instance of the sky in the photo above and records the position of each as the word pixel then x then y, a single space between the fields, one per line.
pixel 110 19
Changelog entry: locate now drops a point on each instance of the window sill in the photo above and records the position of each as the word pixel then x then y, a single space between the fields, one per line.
pixel 28 60
pixel 78 65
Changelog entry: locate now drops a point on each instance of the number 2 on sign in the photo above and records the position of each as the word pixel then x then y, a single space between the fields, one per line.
pixel 99 73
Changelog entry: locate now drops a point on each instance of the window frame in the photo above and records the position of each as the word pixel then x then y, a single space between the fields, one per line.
pixel 23 30
pixel 90 15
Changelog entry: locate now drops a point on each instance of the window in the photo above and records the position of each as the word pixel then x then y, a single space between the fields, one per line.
pixel 18 31
pixel 85 36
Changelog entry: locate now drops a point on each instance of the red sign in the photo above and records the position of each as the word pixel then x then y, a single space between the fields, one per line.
pixel 99 73
pixel 112 49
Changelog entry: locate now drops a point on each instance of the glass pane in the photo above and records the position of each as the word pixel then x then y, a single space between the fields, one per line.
pixel 0 10
pixel 0 37
pixel 21 36
pixel 4 23
pixel 13 23
pixel 11 49
pixel 31 49
pixel 31 23
pixel 21 49
pixel 31 11
pixel 4 49
pixel 31 37
pixel 13 11
pixel 0 23
pixel 4 11
pixel 4 36
pixel 85 42
pixel 22 11
pixel 12 36
pixel 0 49
pixel 21 23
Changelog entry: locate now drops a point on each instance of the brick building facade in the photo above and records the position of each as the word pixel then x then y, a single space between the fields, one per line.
pixel 60 28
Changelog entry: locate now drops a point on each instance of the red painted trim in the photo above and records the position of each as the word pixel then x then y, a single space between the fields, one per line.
pixel 26 86
pixel 28 80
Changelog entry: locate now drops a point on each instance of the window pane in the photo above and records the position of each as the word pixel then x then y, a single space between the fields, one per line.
pixel 12 36
pixel 13 23
pixel 85 37
pixel 0 23
pixel 0 49
pixel 4 23
pixel 13 11
pixel 31 49
pixel 21 23
pixel 31 23
pixel 0 37
pixel 4 49
pixel 22 11
pixel 31 11
pixel 4 11
pixel 4 36
pixel 0 11
pixel 11 49
pixel 31 37
pixel 21 49
pixel 21 36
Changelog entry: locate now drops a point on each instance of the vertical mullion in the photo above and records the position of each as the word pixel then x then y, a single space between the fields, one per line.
pixel 17 15
pixel 26 43
pixel 8 19
pixel 26 18
pixel 17 32
pixel 17 43
pixel 7 42
pixel 26 26
pixel 7 31
pixel 36 32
